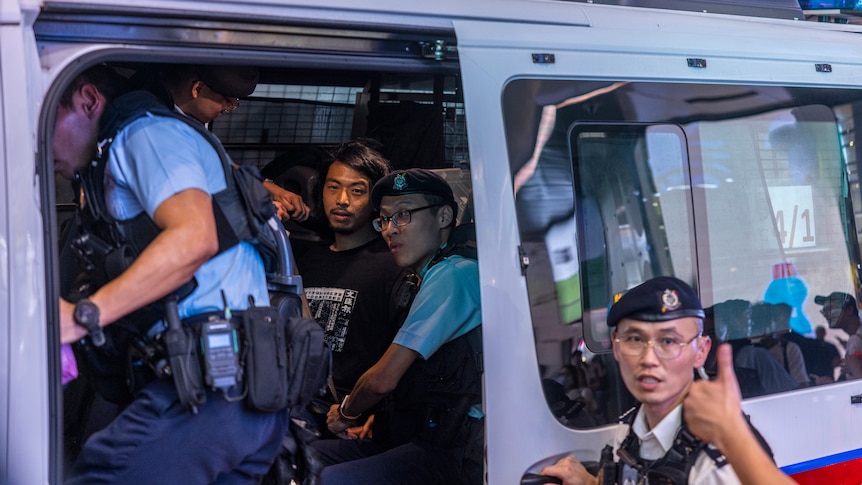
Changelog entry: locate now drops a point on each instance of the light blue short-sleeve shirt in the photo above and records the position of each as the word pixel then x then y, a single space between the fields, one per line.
pixel 154 158
pixel 446 307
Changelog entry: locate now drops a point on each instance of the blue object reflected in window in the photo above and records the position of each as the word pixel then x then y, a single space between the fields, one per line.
pixel 830 4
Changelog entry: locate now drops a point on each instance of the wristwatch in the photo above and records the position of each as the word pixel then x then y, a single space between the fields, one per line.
pixel 86 314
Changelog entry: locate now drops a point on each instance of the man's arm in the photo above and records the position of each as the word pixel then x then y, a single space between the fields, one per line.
pixel 571 472
pixel 289 205
pixel 713 412
pixel 372 386
pixel 187 240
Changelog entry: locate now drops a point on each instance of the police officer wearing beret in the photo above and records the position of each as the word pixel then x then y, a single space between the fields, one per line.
pixel 425 392
pixel 658 344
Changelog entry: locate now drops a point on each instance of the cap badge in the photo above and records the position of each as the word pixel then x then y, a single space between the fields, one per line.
pixel 669 301
pixel 400 182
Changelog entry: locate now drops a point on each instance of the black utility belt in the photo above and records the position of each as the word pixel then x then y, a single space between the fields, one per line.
pixel 242 354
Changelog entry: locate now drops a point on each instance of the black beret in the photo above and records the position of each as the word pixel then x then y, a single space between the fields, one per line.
pixel 230 81
pixel 657 300
pixel 412 181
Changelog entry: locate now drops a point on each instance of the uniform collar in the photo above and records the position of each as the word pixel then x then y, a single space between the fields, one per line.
pixel 433 258
pixel 664 433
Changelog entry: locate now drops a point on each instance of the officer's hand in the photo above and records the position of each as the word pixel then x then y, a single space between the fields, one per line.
pixel 69 330
pixel 712 409
pixel 571 472
pixel 336 423
pixel 289 205
pixel 361 432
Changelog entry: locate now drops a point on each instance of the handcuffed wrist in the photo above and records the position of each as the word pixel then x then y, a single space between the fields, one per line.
pixel 342 413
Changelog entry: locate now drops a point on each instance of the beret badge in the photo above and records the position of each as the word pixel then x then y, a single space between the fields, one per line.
pixel 669 301
pixel 400 182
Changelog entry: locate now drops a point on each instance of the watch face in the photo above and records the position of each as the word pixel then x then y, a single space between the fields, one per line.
pixel 86 313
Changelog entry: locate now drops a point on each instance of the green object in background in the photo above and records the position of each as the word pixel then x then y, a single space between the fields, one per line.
pixel 569 299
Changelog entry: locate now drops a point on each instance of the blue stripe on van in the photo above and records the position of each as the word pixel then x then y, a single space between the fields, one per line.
pixel 822 462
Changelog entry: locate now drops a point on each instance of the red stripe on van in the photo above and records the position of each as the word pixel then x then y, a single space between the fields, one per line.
pixel 844 473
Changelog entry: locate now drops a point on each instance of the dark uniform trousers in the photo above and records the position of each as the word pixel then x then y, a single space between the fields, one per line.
pixel 157 441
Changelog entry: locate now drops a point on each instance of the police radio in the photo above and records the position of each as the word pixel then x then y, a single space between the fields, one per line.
pixel 220 351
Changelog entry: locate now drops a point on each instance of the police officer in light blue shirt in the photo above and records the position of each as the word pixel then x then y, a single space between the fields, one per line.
pixel 161 167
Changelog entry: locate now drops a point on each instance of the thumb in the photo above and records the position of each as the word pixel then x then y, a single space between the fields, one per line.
pixel 724 360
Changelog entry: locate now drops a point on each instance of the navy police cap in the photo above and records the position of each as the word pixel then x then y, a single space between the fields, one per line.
pixel 412 181
pixel 657 300
pixel 230 81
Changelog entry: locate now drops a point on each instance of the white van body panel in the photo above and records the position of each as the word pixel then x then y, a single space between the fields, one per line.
pixel 24 379
pixel 492 54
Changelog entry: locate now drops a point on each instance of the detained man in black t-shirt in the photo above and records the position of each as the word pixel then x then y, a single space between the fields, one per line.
pixel 349 281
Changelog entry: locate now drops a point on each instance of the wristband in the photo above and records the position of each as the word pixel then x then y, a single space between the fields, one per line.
pixel 341 410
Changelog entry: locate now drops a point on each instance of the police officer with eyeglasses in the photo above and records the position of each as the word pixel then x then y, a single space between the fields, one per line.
pixel 425 391
pixel 658 341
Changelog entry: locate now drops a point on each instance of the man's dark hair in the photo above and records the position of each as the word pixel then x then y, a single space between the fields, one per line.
pixel 361 155
pixel 106 79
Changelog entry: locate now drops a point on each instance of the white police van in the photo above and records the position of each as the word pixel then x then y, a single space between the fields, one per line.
pixel 594 145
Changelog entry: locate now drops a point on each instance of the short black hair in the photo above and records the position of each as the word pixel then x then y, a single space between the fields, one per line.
pixel 110 83
pixel 361 155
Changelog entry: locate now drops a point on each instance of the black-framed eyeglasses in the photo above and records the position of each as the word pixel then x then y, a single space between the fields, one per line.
pixel 400 218
pixel 665 347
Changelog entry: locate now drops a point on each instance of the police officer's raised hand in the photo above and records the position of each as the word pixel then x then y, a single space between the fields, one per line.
pixel 713 412
pixel 712 406
pixel 571 472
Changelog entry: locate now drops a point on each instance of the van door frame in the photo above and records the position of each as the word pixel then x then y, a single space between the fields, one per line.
pixel 30 408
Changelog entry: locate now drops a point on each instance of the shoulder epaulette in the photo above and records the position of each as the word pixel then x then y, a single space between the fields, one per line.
pixel 716 455
pixel 628 417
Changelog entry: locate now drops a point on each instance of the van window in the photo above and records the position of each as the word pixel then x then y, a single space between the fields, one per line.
pixel 749 193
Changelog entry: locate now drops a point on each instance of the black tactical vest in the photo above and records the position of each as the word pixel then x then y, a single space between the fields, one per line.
pixel 106 246
pixel 674 467
pixel 432 400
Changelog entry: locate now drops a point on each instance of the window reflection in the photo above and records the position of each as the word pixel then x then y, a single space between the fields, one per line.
pixel 748 192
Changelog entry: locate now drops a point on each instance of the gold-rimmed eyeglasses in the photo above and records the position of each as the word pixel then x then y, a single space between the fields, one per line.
pixel 668 347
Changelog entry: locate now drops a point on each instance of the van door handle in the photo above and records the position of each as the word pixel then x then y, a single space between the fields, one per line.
pixel 857 399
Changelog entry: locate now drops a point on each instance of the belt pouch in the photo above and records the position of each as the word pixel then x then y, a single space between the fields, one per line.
pixel 266 362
